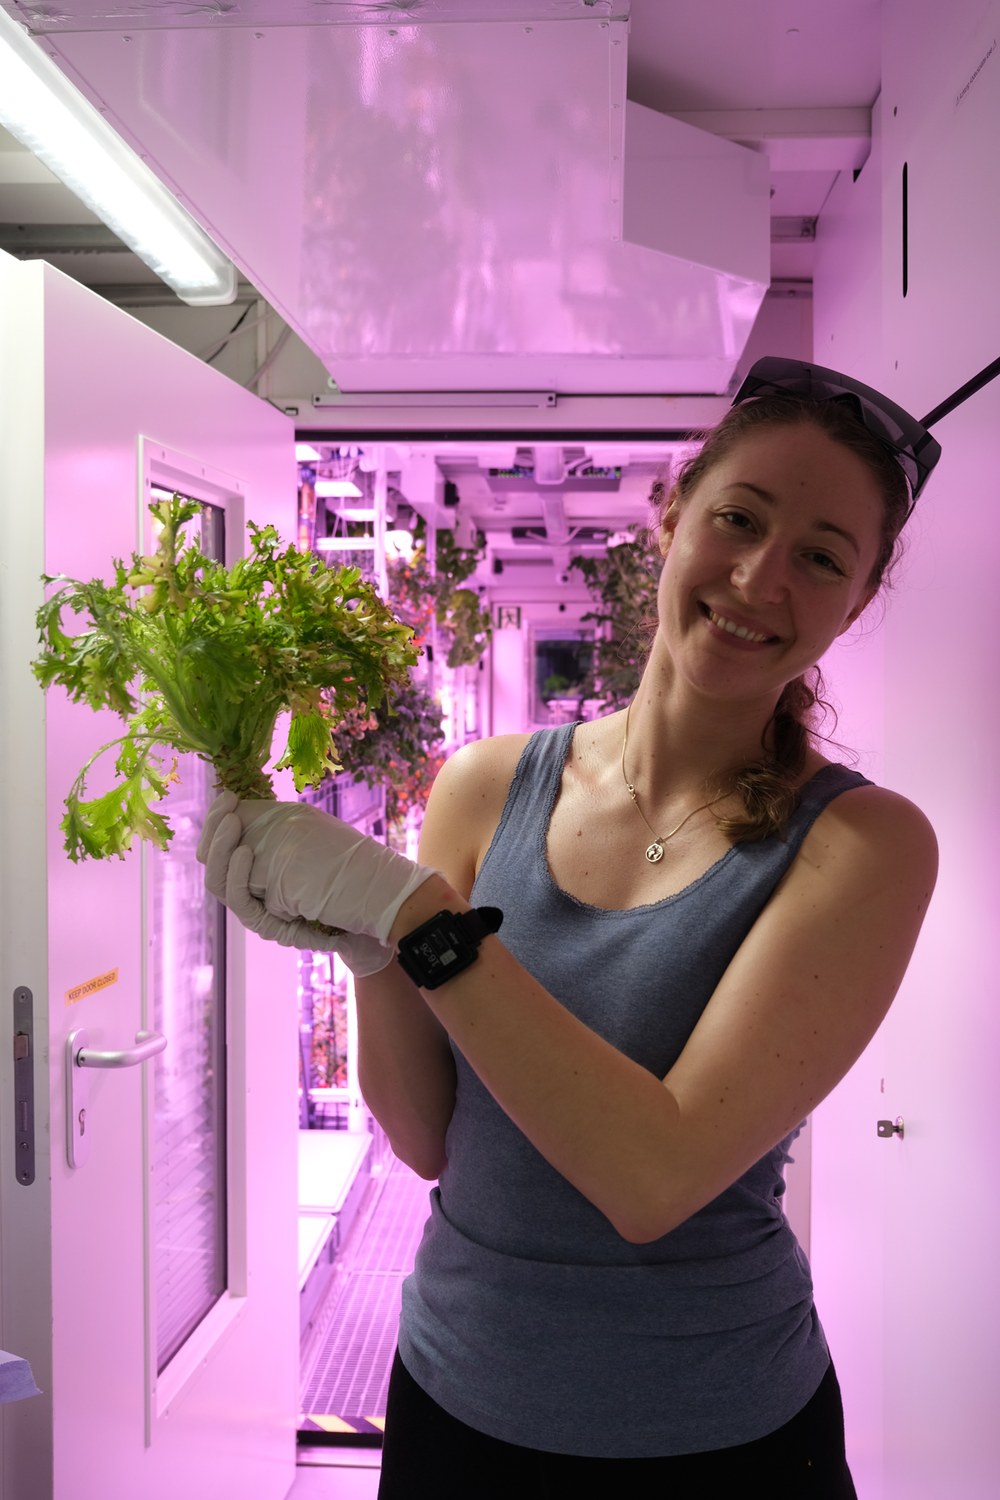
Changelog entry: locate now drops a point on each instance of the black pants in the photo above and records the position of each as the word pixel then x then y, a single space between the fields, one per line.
pixel 429 1455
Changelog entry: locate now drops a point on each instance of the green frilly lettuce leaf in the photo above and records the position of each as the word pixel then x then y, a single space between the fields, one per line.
pixel 195 657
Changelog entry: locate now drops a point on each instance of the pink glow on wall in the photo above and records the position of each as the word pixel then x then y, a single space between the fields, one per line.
pixel 905 1231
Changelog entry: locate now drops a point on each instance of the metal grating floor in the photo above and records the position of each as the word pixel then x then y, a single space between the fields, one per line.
pixel 344 1389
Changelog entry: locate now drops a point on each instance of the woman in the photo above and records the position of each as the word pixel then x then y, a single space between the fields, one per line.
pixel 704 923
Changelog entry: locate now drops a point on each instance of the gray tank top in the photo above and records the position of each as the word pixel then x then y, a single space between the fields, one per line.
pixel 527 1316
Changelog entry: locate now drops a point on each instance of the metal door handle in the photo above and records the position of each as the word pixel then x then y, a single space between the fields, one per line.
pixel 80 1057
pixel 147 1044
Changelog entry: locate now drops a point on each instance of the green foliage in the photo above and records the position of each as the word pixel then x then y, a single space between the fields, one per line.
pixel 197 657
pixel 419 594
pixel 622 583
pixel 399 750
pixel 411 589
pixel 454 563
pixel 467 625
pixel 328 1050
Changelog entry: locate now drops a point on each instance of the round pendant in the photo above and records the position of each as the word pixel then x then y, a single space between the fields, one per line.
pixel 655 852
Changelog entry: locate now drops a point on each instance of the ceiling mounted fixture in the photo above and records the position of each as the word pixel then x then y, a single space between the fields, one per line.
pixel 554 469
pixel 42 109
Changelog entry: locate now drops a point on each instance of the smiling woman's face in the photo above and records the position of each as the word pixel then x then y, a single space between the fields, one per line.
pixel 768 559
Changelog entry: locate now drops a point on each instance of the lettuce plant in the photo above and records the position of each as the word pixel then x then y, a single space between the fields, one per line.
pixel 197 657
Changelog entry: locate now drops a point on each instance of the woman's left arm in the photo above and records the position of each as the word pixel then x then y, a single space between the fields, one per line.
pixel 799 1002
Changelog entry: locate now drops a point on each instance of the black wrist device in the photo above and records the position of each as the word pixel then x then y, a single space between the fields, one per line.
pixel 439 949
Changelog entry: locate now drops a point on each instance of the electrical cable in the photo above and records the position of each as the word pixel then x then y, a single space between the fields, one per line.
pixel 990 372
pixel 213 350
pixel 266 364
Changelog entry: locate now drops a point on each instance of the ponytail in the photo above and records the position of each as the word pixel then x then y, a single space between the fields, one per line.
pixel 768 787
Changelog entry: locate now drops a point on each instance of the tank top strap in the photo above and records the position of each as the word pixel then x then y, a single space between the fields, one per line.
pixel 536 780
pixel 534 789
pixel 817 793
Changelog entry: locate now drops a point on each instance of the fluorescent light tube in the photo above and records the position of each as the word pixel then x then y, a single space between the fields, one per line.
pixel 355 512
pixel 345 544
pixel 42 109
pixel 329 487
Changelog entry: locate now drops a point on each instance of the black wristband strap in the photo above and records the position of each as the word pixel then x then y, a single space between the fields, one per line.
pixel 439 949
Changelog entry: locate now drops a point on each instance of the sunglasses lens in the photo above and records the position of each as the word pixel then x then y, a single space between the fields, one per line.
pixel 913 446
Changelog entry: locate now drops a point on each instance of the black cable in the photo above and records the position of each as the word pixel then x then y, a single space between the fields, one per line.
pixel 228 336
pixel 962 394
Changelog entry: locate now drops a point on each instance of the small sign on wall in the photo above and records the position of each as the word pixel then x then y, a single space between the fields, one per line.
pixel 508 617
pixel 91 986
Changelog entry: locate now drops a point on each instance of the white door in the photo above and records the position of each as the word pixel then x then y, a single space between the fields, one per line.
pixel 152 1284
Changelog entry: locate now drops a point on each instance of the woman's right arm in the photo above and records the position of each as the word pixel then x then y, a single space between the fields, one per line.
pixel 405 1063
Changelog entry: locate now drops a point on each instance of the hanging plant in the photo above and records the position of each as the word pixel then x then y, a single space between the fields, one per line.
pixel 400 750
pixel 467 626
pixel 419 595
pixel 411 589
pixel 622 583
pixel 328 1038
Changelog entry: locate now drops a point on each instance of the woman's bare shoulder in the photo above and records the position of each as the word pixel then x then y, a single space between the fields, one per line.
pixel 482 765
pixel 890 828
pixel 886 823
pixel 466 805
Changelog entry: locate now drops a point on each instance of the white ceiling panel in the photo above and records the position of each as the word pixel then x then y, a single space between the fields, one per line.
pixel 755 54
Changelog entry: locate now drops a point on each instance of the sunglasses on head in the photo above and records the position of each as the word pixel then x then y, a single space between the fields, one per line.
pixel 907 438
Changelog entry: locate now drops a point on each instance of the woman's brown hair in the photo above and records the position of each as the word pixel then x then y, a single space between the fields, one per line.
pixel 768 786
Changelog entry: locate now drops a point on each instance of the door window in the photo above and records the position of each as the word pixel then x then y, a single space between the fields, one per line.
pixel 188 990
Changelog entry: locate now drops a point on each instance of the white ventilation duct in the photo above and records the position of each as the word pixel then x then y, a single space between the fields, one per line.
pixel 697 199
pixel 513 224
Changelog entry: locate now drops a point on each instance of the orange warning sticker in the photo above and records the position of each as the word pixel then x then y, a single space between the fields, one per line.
pixel 91 986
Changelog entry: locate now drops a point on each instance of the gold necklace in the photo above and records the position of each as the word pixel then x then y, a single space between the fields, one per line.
pixel 654 853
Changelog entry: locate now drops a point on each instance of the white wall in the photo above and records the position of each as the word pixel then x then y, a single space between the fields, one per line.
pixel 846 1244
pixel 783 326
pixel 914 1225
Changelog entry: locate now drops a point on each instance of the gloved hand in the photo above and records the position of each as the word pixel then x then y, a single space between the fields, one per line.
pixel 229 865
pixel 284 867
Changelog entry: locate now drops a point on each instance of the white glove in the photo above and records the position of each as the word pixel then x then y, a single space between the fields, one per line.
pixel 227 875
pixel 284 867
